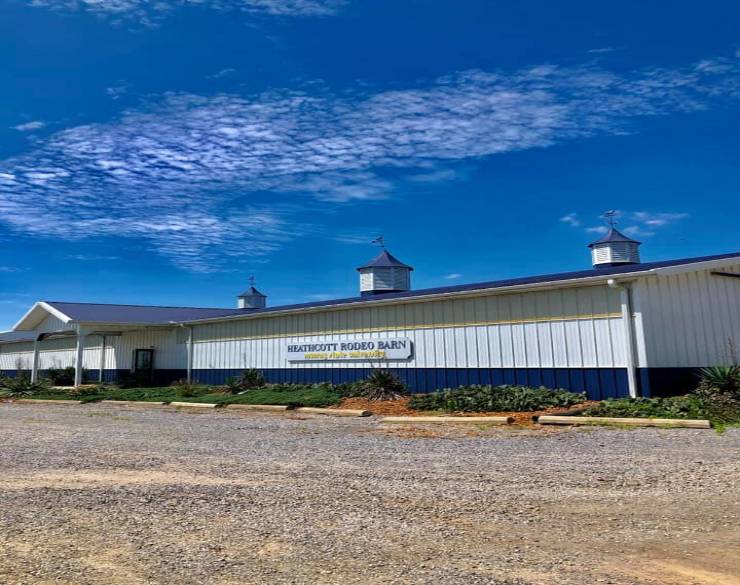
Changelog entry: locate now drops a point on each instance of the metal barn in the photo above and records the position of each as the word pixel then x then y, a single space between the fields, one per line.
pixel 619 328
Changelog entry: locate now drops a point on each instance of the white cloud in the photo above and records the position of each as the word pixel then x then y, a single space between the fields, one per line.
pixel 357 236
pixel 602 50
pixel 435 176
pixel 30 126
pixel 636 231
pixel 150 13
pixel 453 276
pixel 657 219
pixel 90 257
pixel 228 72
pixel 339 187
pixel 11 269
pixel 211 179
pixel 117 90
pixel 571 219
pixel 642 223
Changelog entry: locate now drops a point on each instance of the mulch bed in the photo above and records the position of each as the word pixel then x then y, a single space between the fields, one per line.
pixel 401 408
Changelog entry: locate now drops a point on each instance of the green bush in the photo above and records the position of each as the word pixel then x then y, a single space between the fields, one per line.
pixel 379 385
pixel 688 406
pixel 21 385
pixel 318 395
pixel 188 389
pixel 247 380
pixel 722 379
pixel 61 376
pixel 478 398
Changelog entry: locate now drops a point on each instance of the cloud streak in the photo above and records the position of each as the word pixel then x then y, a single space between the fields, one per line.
pixel 30 126
pixel 211 179
pixel 149 13
pixel 637 223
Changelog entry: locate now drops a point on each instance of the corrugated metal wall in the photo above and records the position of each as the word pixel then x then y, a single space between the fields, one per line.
pixel 566 328
pixel 688 318
pixel 60 352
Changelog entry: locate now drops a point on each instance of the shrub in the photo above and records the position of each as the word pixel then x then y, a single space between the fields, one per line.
pixel 723 379
pixel 186 389
pixel 61 376
pixel 379 385
pixel 247 380
pixel 478 398
pixel 689 406
pixel 21 385
pixel 318 395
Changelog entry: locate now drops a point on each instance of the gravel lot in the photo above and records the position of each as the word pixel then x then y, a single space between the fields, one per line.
pixel 116 495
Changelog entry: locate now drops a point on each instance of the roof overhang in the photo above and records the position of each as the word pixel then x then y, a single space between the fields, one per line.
pixel 36 314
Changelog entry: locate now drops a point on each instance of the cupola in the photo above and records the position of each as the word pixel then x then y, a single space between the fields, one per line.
pixel 384 274
pixel 614 249
pixel 251 298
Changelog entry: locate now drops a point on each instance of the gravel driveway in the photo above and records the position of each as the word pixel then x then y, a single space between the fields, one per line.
pixel 114 495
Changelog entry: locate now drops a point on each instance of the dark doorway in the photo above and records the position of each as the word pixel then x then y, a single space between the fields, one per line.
pixel 144 365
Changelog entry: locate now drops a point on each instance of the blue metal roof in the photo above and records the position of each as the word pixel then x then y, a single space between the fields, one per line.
pixel 494 284
pixel 104 313
pixel 385 260
pixel 11 336
pixel 613 235
pixel 252 291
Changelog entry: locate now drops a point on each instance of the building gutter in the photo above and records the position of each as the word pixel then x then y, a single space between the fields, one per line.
pixel 625 294
pixel 189 346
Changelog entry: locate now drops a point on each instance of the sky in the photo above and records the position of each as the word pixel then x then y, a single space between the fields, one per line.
pixel 162 152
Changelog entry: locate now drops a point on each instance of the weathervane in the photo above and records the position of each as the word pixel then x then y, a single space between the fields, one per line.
pixel 252 280
pixel 379 241
pixel 611 217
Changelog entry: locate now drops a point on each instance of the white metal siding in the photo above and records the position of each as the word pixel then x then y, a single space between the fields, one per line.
pixel 688 319
pixel 11 354
pixel 579 327
pixel 52 323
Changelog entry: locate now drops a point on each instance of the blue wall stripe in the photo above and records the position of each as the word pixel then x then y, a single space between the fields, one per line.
pixel 599 383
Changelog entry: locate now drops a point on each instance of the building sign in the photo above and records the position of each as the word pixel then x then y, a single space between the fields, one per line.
pixel 398 348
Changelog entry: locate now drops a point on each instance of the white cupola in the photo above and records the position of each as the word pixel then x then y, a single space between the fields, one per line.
pixel 251 298
pixel 614 249
pixel 384 274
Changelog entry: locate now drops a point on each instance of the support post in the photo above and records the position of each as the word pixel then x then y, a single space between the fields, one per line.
pixel 625 296
pixel 102 359
pixel 35 364
pixel 81 334
pixel 190 354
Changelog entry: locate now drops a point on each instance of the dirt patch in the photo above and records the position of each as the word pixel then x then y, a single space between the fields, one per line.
pixel 401 408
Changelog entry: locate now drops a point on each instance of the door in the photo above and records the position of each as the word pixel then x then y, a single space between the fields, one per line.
pixel 143 365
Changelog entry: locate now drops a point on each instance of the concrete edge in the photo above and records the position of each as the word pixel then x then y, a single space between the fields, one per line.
pixel 194 404
pixel 493 420
pixel 141 403
pixel 257 407
pixel 40 401
pixel 332 411
pixel 640 422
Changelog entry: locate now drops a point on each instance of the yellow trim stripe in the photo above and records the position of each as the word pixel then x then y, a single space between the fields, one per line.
pixel 412 327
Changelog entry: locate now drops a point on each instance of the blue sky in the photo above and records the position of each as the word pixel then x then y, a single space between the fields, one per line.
pixel 161 155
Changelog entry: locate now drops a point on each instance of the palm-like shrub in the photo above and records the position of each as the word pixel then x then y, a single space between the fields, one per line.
pixel 247 380
pixel 725 379
pixel 380 385
pixel 21 385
